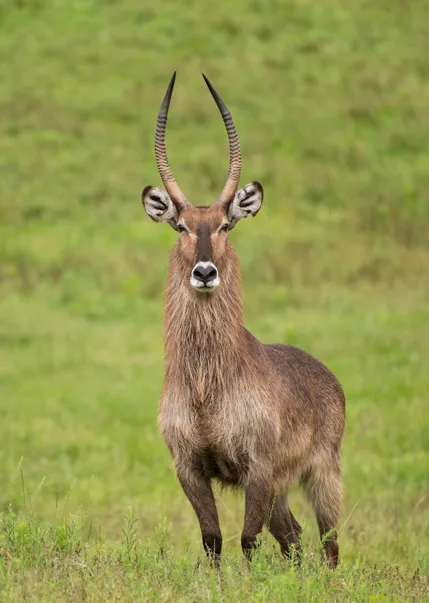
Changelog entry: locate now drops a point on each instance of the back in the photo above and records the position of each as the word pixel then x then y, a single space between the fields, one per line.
pixel 309 386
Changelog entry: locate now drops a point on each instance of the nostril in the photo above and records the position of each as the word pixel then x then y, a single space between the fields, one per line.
pixel 197 273
pixel 212 273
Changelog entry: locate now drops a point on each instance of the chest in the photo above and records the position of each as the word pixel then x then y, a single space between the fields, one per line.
pixel 228 432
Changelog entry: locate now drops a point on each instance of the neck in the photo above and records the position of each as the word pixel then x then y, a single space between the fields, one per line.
pixel 204 334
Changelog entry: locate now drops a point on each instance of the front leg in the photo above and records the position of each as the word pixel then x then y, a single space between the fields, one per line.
pixel 258 498
pixel 197 487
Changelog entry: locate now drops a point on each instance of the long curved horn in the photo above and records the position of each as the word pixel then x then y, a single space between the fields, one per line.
pixel 164 169
pixel 228 191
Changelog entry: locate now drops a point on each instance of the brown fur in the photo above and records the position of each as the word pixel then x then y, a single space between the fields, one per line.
pixel 249 415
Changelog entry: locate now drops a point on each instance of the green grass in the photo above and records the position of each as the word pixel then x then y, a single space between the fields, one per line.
pixel 331 102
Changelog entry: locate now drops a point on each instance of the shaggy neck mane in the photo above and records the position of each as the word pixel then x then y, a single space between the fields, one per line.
pixel 205 341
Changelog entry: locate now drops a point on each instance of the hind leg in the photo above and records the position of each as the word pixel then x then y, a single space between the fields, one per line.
pixel 284 527
pixel 324 490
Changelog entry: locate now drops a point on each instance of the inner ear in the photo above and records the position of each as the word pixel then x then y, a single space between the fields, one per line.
pixel 247 201
pixel 159 207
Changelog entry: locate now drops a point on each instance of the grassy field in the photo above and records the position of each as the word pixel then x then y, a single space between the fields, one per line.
pixel 331 100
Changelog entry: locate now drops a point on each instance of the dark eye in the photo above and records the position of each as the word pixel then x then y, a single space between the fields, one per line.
pixel 224 228
pixel 181 228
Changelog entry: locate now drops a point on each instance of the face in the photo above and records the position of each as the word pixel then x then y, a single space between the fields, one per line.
pixel 203 231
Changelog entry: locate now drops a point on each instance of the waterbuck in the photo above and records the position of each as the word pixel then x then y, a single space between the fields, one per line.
pixel 247 414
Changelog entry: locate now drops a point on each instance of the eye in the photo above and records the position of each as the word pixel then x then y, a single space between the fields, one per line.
pixel 224 227
pixel 181 228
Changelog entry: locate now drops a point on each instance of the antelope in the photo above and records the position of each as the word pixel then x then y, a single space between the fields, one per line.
pixel 249 415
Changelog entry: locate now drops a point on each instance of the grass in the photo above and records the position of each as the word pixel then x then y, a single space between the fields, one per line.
pixel 330 100
pixel 58 566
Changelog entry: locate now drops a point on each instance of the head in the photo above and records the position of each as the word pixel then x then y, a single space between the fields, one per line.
pixel 203 231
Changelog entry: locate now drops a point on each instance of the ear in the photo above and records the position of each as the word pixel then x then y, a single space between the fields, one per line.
pixel 159 206
pixel 247 200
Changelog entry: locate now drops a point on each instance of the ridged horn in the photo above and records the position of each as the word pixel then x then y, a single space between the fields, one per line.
pixel 164 169
pixel 228 191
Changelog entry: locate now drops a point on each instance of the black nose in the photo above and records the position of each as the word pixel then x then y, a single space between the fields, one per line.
pixel 205 273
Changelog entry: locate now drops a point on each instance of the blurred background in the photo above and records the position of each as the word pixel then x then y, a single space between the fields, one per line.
pixel 331 102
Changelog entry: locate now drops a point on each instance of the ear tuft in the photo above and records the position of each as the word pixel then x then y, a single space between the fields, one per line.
pixel 247 200
pixel 158 205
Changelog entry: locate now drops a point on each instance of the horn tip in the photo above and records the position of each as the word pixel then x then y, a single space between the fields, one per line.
pixel 207 81
pixel 172 80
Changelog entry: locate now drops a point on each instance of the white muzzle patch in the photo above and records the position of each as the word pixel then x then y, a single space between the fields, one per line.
pixel 205 277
